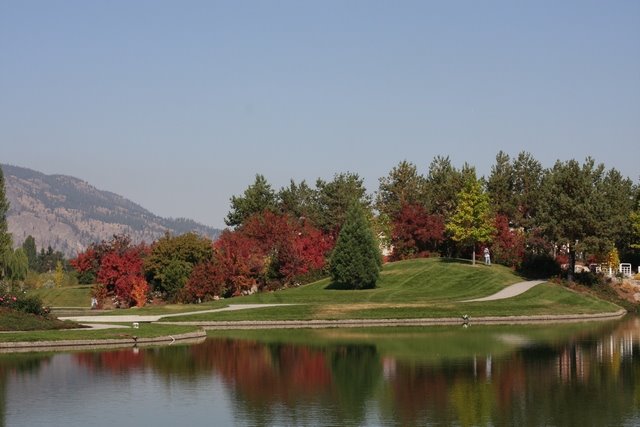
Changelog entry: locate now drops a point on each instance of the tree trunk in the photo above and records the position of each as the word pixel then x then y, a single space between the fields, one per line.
pixel 473 255
pixel 572 264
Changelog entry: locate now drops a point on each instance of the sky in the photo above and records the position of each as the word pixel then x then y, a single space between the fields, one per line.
pixel 177 105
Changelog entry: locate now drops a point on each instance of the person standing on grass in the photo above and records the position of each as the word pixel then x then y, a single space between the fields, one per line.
pixel 487 256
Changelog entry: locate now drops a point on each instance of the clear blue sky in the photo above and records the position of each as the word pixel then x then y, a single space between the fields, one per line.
pixel 178 104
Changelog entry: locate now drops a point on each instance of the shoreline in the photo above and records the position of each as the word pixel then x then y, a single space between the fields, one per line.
pixel 199 336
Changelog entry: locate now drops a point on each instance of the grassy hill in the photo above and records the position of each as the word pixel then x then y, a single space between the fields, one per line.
pixel 67 296
pixel 413 289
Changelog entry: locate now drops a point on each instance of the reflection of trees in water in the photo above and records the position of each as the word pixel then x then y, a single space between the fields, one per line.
pixel 16 363
pixel 587 381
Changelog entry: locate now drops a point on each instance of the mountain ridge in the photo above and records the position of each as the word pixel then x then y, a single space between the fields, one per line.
pixel 68 213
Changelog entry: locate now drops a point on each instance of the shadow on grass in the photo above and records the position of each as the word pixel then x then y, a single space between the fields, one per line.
pixel 335 286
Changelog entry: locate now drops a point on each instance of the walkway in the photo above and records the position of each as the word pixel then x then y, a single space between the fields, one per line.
pixel 155 318
pixel 509 291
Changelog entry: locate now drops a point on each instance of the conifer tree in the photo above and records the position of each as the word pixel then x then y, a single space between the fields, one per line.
pixel 356 260
pixel 5 237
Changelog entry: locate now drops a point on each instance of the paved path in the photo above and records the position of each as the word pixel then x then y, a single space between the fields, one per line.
pixel 509 291
pixel 155 318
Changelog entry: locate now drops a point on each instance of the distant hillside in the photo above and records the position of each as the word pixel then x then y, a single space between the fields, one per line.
pixel 69 214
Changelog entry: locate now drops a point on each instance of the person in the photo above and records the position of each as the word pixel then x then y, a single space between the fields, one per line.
pixel 487 256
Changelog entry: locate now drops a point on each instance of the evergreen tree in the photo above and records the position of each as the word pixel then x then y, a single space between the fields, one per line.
pixel 356 260
pixel 29 247
pixel 5 237
pixel 500 186
pixel 403 186
pixel 256 198
pixel 335 198
pixel 471 221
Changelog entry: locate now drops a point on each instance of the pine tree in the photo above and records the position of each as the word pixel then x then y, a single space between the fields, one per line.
pixel 356 260
pixel 5 237
pixel 471 221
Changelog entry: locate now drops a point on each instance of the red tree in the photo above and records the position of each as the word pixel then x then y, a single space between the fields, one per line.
pixel 508 245
pixel 415 232
pixel 121 270
pixel 295 247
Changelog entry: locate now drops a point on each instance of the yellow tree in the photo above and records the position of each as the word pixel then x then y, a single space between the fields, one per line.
pixel 471 222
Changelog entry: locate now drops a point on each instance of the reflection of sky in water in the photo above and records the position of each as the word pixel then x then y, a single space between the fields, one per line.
pixel 508 376
pixel 67 394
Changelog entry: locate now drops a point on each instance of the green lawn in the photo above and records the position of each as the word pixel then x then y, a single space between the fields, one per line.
pixel 414 289
pixel 145 331
pixel 67 296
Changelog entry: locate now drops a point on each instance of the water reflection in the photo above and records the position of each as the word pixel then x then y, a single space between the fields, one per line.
pixel 582 375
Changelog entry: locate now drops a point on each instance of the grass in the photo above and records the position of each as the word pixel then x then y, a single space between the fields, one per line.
pixel 414 289
pixel 67 296
pixel 12 320
pixel 145 331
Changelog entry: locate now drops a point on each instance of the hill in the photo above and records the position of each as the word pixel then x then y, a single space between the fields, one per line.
pixel 68 213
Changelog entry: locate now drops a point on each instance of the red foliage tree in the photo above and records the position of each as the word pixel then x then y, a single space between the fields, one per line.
pixel 508 245
pixel 205 283
pixel 121 270
pixel 237 262
pixel 294 247
pixel 415 232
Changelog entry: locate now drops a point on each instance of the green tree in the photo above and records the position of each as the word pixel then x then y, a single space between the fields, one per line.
pixel 5 237
pixel 335 198
pixel 443 182
pixel 17 264
pixel 401 187
pixel 299 200
pixel 256 198
pixel 528 174
pixel 356 260
pixel 471 222
pixel 500 186
pixel 29 247
pixel 171 260
pixel 570 208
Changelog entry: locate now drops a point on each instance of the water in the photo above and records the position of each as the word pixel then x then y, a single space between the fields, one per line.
pixel 535 375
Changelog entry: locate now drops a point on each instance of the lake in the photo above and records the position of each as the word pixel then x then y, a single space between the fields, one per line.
pixel 580 374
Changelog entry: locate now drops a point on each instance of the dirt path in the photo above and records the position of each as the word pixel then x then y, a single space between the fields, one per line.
pixel 509 291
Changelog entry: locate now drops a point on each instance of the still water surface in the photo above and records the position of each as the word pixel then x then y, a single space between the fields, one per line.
pixel 562 375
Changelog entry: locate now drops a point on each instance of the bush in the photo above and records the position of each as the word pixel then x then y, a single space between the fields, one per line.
pixel 587 278
pixel 539 266
pixel 26 304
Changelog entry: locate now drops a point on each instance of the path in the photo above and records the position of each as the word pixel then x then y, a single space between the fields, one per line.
pixel 509 291
pixel 155 318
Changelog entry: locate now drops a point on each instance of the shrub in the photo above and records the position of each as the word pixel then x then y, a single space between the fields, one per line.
pixel 587 278
pixel 27 304
pixel 540 266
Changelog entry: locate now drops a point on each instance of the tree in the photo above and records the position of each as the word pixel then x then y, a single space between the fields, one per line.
pixel 335 198
pixel 471 222
pixel 256 198
pixel 120 271
pixel 293 247
pixel 500 186
pixel 58 276
pixel 5 237
pixel 16 264
pixel 299 200
pixel 172 258
pixel 527 182
pixel 508 244
pixel 415 232
pixel 443 182
pixel 29 247
pixel 569 209
pixel 356 260
pixel 403 186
